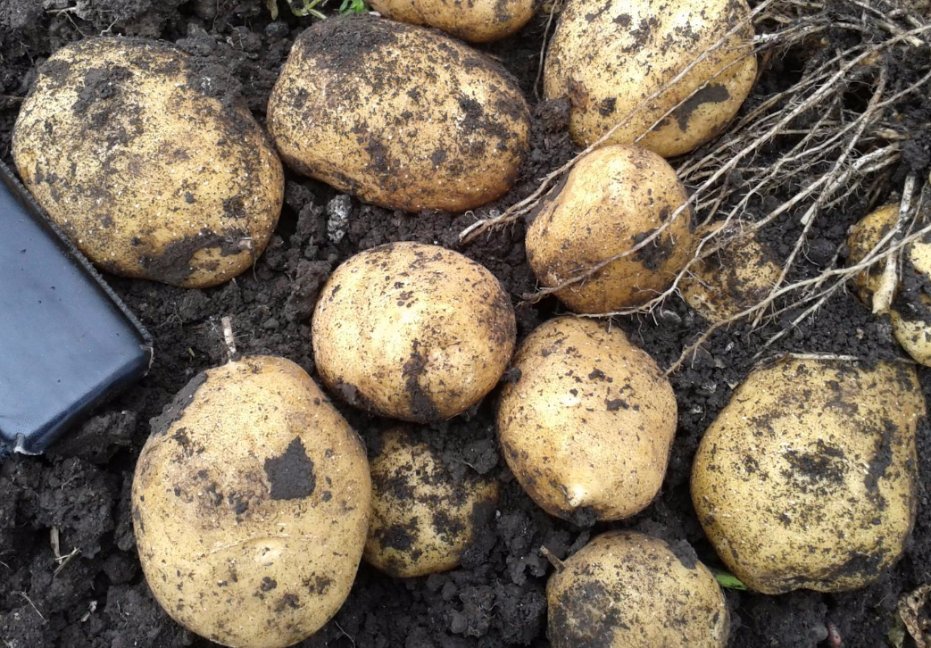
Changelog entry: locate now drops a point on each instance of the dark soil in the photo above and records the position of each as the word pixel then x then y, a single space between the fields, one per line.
pixel 99 598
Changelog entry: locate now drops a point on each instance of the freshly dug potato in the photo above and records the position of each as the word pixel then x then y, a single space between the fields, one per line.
pixel 611 201
pixel 136 153
pixel 479 21
pixel 412 331
pixel 422 519
pixel 401 116
pixel 610 59
pixel 251 505
pixel 590 422
pixel 864 236
pixel 911 308
pixel 737 276
pixel 629 589
pixel 807 479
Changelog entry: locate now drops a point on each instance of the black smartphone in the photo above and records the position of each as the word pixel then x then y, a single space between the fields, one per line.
pixel 67 342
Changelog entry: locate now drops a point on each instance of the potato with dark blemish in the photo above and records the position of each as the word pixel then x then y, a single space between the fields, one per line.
pixel 610 58
pixel 589 424
pixel 422 518
pixel 420 122
pixel 479 21
pixel 614 199
pixel 865 235
pixel 627 589
pixel 807 478
pixel 738 275
pixel 138 155
pixel 251 505
pixel 412 331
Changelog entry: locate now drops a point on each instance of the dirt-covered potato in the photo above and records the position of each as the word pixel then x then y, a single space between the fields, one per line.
pixel 807 478
pixel 251 505
pixel 737 276
pixel 610 59
pixel 401 116
pixel 479 21
pixel 413 331
pixel 589 424
pixel 626 589
pixel 422 518
pixel 610 202
pixel 155 171
pixel 864 236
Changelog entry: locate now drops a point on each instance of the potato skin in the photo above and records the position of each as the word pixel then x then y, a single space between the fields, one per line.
pixel 251 505
pixel 422 519
pixel 864 236
pixel 612 200
pixel 729 281
pixel 629 589
pixel 608 60
pixel 148 171
pixel 419 122
pixel 413 331
pixel 589 423
pixel 807 478
pixel 479 21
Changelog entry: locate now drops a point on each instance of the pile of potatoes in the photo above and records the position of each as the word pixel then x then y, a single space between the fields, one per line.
pixel 254 501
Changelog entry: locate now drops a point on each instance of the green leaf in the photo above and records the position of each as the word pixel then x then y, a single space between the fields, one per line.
pixel 353 6
pixel 728 580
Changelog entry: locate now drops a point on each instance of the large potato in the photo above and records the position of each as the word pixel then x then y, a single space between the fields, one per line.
pixel 400 116
pixel 612 200
pixel 807 479
pixel 477 20
pixel 737 276
pixel 609 59
pixel 626 589
pixel 590 422
pixel 412 331
pixel 251 504
pixel 422 518
pixel 135 153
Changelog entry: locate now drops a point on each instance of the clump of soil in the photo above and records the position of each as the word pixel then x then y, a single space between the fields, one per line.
pixel 99 599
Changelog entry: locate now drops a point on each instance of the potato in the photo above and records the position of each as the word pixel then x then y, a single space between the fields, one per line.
pixel 864 236
pixel 611 59
pixel 807 478
pixel 413 331
pixel 145 165
pixel 251 505
pixel 590 422
pixel 613 199
pixel 401 116
pixel 422 519
pixel 479 21
pixel 629 589
pixel 736 277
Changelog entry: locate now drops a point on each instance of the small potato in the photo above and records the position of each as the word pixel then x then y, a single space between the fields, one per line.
pixel 412 331
pixel 807 479
pixel 422 519
pixel 609 60
pixel 611 201
pixel 590 422
pixel 401 116
pixel 135 153
pixel 864 236
pixel 626 589
pixel 251 505
pixel 732 279
pixel 479 21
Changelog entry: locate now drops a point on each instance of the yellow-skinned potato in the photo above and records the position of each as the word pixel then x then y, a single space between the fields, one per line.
pixel 911 311
pixel 148 171
pixel 807 478
pixel 413 331
pixel 590 421
pixel 422 519
pixel 627 589
pixel 732 279
pixel 611 201
pixel 479 21
pixel 608 60
pixel 399 115
pixel 864 236
pixel 251 505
